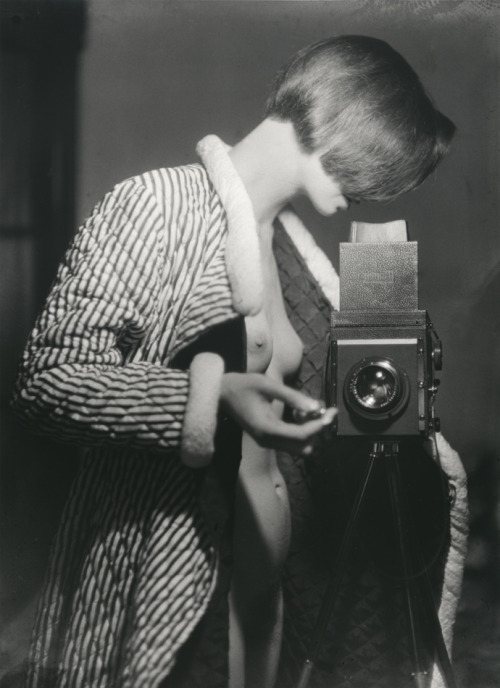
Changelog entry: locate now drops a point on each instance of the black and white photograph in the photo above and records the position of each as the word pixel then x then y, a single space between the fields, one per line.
pixel 250 350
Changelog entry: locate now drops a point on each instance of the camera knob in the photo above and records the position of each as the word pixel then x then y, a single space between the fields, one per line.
pixel 437 355
pixel 436 424
pixel 433 389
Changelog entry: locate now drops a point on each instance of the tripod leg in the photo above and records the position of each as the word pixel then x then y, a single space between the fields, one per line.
pixel 425 599
pixel 336 578
pixel 418 673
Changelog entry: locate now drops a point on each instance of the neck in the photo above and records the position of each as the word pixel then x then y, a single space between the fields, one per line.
pixel 267 161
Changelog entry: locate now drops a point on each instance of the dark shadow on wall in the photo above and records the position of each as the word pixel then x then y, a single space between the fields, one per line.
pixel 477 629
pixel 477 634
pixel 40 46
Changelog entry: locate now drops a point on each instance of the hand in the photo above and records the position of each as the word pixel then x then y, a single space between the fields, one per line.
pixel 248 398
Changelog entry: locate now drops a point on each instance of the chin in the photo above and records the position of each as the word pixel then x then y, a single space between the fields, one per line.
pixel 326 212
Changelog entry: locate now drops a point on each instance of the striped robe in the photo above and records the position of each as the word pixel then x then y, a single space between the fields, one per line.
pixel 164 258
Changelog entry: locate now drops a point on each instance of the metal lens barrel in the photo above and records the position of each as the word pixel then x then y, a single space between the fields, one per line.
pixel 376 388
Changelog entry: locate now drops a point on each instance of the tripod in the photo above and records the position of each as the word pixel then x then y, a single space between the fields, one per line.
pixel 388 451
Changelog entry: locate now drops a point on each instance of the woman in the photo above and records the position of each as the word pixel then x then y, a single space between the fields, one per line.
pixel 164 347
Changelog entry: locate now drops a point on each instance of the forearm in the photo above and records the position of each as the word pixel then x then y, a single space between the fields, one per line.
pixel 138 405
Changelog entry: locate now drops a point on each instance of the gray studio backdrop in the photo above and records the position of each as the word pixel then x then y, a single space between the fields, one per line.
pixel 152 78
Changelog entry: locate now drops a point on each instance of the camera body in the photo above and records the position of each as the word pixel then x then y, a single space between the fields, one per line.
pixel 383 350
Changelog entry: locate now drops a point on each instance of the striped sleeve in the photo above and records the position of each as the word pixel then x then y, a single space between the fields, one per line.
pixel 74 382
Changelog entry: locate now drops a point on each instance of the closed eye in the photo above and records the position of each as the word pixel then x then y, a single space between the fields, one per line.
pixel 352 200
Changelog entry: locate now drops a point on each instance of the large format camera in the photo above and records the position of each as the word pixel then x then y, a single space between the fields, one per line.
pixel 380 374
pixel 383 350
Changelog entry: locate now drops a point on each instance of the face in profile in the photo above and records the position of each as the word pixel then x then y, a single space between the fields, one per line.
pixel 321 188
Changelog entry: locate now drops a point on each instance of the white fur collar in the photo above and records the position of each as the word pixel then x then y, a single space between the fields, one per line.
pixel 318 263
pixel 243 258
pixel 242 248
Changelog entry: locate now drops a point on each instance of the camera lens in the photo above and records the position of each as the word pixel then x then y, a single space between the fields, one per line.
pixel 376 388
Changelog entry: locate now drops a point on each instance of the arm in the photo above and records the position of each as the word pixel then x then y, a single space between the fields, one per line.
pixel 74 382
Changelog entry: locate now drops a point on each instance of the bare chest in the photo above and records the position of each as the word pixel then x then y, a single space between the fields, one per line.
pixel 273 346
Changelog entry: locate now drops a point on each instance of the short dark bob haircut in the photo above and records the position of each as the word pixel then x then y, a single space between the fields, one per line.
pixel 358 103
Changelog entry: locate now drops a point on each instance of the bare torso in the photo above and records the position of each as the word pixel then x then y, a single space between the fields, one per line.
pixel 262 518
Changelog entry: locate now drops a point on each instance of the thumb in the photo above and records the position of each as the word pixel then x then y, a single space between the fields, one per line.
pixel 298 401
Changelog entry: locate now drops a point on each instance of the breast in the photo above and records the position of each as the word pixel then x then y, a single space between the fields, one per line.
pixel 260 345
pixel 273 346
pixel 289 353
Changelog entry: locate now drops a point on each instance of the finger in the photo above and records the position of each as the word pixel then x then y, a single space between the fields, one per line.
pixel 304 416
pixel 290 446
pixel 305 449
pixel 292 397
pixel 305 431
